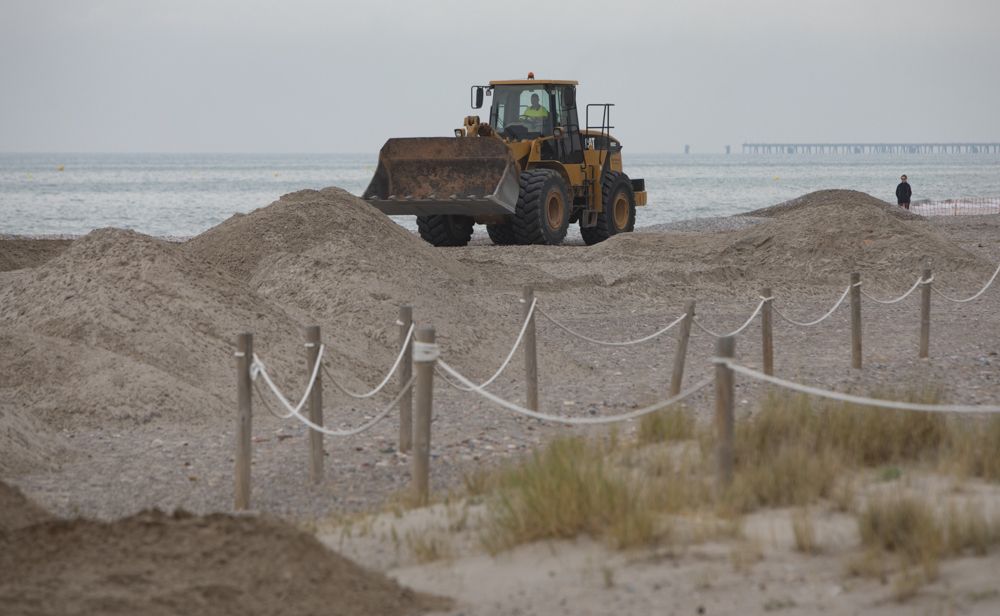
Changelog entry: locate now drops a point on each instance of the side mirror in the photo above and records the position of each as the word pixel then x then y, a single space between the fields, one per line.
pixel 477 97
pixel 570 98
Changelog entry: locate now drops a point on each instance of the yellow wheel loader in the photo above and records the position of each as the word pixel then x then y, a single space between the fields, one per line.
pixel 527 173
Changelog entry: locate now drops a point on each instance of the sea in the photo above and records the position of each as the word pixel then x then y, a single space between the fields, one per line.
pixel 181 195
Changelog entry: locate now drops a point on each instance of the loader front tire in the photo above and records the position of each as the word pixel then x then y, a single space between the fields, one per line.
pixel 502 234
pixel 543 206
pixel 446 229
pixel 618 215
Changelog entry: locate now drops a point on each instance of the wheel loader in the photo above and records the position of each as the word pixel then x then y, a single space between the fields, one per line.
pixel 527 172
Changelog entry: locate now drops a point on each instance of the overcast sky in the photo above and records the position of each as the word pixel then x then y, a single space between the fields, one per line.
pixel 322 76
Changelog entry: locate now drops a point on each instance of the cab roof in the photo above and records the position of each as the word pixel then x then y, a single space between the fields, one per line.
pixel 539 82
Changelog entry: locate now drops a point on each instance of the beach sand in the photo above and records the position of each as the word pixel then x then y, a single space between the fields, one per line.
pixel 119 395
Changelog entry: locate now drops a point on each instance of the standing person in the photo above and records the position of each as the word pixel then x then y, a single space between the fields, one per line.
pixel 903 192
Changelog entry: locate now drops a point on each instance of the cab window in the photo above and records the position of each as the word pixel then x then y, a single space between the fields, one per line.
pixel 515 115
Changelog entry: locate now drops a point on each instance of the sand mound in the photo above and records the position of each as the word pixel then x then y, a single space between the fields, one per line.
pixel 153 563
pixel 26 443
pixel 817 239
pixel 123 327
pixel 302 221
pixel 833 233
pixel 330 255
pixel 832 198
pixel 21 253
pixel 17 512
pixel 122 324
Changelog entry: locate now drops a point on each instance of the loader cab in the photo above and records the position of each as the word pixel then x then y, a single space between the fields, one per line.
pixel 516 116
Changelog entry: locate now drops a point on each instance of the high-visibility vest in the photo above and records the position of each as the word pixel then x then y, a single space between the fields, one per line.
pixel 541 112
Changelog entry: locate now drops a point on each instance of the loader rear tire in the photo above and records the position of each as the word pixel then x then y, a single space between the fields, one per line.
pixel 619 209
pixel 446 229
pixel 543 206
pixel 502 234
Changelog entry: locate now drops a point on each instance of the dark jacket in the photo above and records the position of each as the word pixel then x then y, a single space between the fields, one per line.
pixel 903 192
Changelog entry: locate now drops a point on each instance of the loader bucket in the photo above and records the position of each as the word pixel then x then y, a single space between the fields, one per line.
pixel 469 176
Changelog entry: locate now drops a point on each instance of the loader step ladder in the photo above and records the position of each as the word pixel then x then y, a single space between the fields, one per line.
pixel 602 142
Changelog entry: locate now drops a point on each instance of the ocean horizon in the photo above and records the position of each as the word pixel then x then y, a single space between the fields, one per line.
pixel 179 195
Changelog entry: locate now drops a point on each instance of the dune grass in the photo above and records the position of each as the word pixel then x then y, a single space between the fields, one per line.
pixel 674 423
pixel 804 532
pixel 907 536
pixel 796 449
pixel 973 448
pixel 566 489
pixel 794 452
pixel 905 526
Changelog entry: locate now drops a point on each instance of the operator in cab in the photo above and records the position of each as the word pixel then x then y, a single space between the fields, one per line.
pixel 535 110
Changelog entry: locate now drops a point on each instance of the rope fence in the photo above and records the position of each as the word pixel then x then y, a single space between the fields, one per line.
pixel 920 281
pixel 739 329
pixel 971 297
pixel 564 419
pixel 418 360
pixel 517 343
pixel 623 343
pixel 826 316
pixel 861 400
pixel 382 384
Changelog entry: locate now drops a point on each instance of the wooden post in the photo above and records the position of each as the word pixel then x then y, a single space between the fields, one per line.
pixel 244 359
pixel 405 373
pixel 313 341
pixel 767 336
pixel 925 315
pixel 683 334
pixel 726 349
pixel 855 321
pixel 424 358
pixel 530 352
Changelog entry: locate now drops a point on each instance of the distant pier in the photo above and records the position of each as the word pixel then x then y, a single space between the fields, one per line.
pixel 871 148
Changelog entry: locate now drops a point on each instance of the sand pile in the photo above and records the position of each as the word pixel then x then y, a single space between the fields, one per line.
pixel 828 234
pixel 125 328
pixel 832 198
pixel 818 238
pixel 332 219
pixel 20 253
pixel 154 563
pixel 17 512
pixel 330 255
pixel 122 325
pixel 26 440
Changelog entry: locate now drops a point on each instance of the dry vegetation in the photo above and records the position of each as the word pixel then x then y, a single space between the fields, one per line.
pixel 906 536
pixel 794 452
pixel 671 424
pixel 568 488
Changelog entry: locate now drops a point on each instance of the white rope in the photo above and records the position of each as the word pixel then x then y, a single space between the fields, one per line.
pixel 655 334
pixel 826 316
pixel 295 411
pixel 260 394
pixel 444 376
pixel 969 299
pixel 380 386
pixel 916 284
pixel 257 368
pixel 365 426
pixel 562 418
pixel 749 320
pixel 510 355
pixel 835 395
